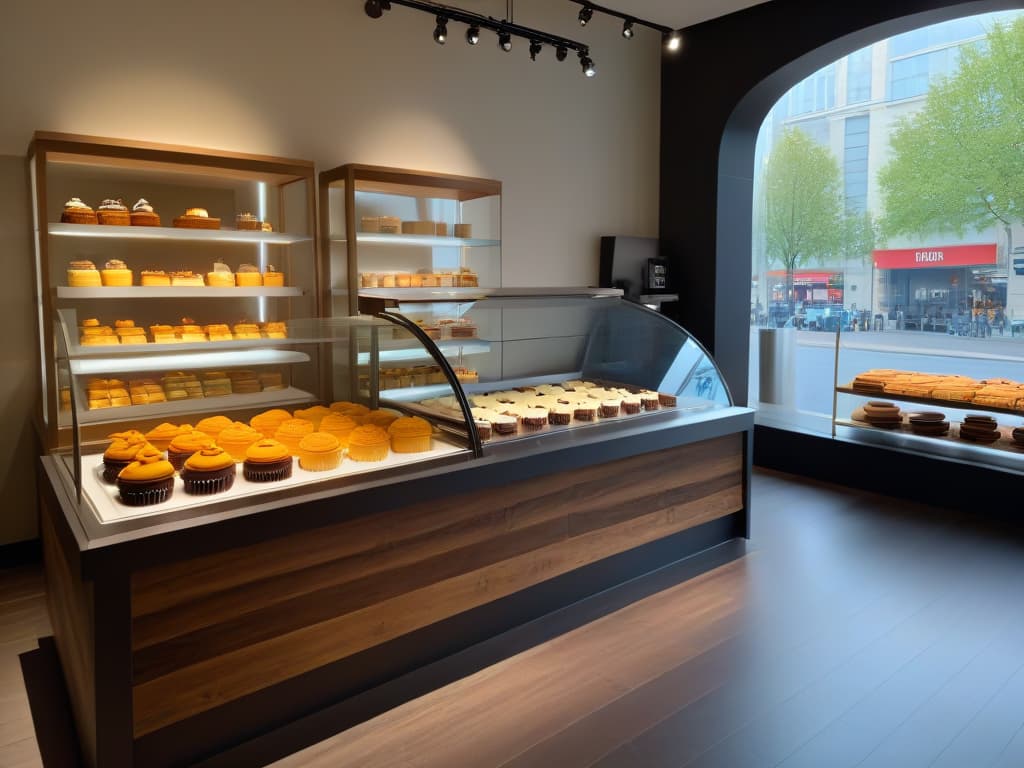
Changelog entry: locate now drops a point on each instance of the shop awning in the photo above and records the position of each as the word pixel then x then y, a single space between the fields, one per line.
pixel 936 256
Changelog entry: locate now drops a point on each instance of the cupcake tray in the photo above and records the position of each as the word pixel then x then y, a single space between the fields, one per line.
pixel 110 509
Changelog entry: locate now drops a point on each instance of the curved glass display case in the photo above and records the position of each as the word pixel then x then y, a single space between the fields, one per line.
pixel 537 362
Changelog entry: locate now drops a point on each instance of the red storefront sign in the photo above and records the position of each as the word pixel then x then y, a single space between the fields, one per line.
pixel 938 256
pixel 805 278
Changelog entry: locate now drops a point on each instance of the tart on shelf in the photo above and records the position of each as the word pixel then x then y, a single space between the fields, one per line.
pixel 142 214
pixel 113 212
pixel 196 218
pixel 77 212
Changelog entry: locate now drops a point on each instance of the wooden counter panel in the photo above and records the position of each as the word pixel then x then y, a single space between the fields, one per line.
pixel 269 616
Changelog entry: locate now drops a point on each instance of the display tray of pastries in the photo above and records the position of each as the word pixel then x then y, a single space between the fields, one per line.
pixel 975 428
pixel 995 393
pixel 147 389
pixel 532 408
pixel 125 331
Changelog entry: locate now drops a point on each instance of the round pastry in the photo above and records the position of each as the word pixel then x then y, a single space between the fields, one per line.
pixel 113 212
pixel 268 421
pixel 212 426
pixel 314 414
pixel 116 273
pixel 149 479
pixel 534 418
pixel 1018 436
pixel 184 445
pixel 650 401
pixel 160 437
pixel 267 461
pixel 142 214
pixel 221 276
pixel 585 411
pixel 505 425
pixel 291 432
pixel 339 425
pixel 272 278
pixel 356 412
pixel 560 414
pixel 368 443
pixel 380 418
pixel 631 404
pixel 210 470
pixel 119 454
pixel 82 273
pixel 248 276
pixel 341 405
pixel 152 277
pixel 610 407
pixel 197 218
pixel 237 438
pixel 246 221
pixel 411 434
pixel 666 400
pixel 77 212
pixel 186 278
pixel 319 452
pixel 483 428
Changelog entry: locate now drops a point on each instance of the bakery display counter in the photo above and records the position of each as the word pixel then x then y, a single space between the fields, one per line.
pixel 172 234
pixel 430 241
pixel 176 292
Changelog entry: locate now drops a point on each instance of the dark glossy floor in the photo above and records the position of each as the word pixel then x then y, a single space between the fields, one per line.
pixel 856 631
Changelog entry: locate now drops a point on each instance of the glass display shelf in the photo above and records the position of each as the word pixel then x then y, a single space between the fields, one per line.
pixel 255 400
pixel 179 234
pixel 175 292
pixel 399 352
pixel 960 405
pixel 139 350
pixel 431 241
pixel 175 361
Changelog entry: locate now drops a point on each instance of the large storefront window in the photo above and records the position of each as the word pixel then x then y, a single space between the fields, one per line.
pixel 895 213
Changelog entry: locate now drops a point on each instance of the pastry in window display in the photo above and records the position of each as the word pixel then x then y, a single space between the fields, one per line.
pixel 212 426
pixel 314 414
pixel 368 443
pixel 483 428
pixel 403 280
pixel 650 400
pixel 272 277
pixel 271 381
pixel 246 330
pixel 160 436
pixel 189 331
pixel 266 226
pixel 115 273
pixel 381 417
pixel 267 461
pixel 928 423
pixel 82 273
pixel 197 218
pixel 274 330
pixel 505 425
pixel 185 445
pixel 221 276
pixel 247 221
pixel 149 479
pixel 77 212
pixel 410 434
pixel 216 385
pixel 339 425
pixel 113 212
pixel 631 404
pixel 208 471
pixel 1018 436
pixel 164 334
pixel 186 278
pixel 356 411
pixel 218 332
pixel 319 452
pixel 248 276
pixel 244 382
pixel 132 335
pixel 879 413
pixel 268 421
pixel 534 418
pixel 291 432
pixel 585 411
pixel 237 438
pixel 155 277
pixel 386 280
pixel 120 453
pixel 142 214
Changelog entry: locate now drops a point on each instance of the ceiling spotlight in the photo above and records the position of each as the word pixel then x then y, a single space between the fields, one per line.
pixel 375 8
pixel 673 41
pixel 473 35
pixel 561 52
pixel 587 64
pixel 586 14
pixel 627 29
pixel 441 30
pixel 505 41
pixel 535 48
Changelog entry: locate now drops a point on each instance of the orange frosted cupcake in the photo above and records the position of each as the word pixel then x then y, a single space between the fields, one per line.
pixel 160 437
pixel 212 426
pixel 272 278
pixel 314 414
pixel 119 454
pixel 291 433
pixel 319 452
pixel 237 438
pixel 380 418
pixel 267 422
pixel 339 425
pixel 185 445
pixel 341 405
pixel 355 411
pixel 368 443
pixel 211 470
pixel 149 479
pixel 266 461
pixel 410 434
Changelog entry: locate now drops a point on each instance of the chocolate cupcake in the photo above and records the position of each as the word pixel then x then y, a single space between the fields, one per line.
pixel 119 454
pixel 184 445
pixel 560 415
pixel 267 461
pixel 631 404
pixel 483 428
pixel 610 408
pixel 650 400
pixel 211 470
pixel 666 401
pixel 149 479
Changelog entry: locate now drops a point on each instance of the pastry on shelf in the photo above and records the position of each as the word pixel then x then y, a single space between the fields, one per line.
pixel 267 461
pixel 368 443
pixel 980 429
pixel 272 278
pixel 411 434
pixel 390 225
pixel 208 471
pixel 186 278
pixel 196 218
pixel 237 438
pixel 189 331
pixel 319 452
pixel 218 332
pixel 245 330
pixel 164 334
pixel 268 421
pixel 266 226
pixel 248 276
pixel 142 214
pixel 339 425
pixel 463 230
pixel 155 277
pixel 120 453
pixel 466 278
pixel 270 381
pixel 113 212
pixel 82 273
pixel 314 414
pixel 212 426
pixel 216 384
pixel 290 433
pixel 160 436
pixel 244 382
pixel 115 273
pixel 184 445
pixel 77 212
pixel 221 276
pixel 130 334
pixel 403 280
pixel 149 479
pixel 386 280
pixel 248 222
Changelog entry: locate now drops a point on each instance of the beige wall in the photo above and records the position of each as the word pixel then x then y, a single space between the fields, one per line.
pixel 318 79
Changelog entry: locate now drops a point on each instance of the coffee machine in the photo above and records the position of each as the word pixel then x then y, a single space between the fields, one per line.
pixel 634 265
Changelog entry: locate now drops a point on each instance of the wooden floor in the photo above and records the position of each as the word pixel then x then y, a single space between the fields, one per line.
pixel 857 631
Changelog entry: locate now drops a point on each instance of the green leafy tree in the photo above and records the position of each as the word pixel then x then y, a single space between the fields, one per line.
pixel 958 163
pixel 803 204
pixel 859 235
